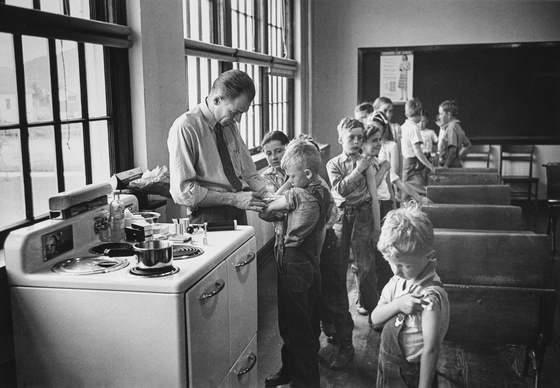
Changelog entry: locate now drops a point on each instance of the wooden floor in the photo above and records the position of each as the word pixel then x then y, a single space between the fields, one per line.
pixel 485 367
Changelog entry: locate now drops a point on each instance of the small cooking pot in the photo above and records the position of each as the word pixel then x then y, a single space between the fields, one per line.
pixel 154 254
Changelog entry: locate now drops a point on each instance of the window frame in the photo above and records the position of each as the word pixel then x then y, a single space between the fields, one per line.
pixel 268 65
pixel 107 27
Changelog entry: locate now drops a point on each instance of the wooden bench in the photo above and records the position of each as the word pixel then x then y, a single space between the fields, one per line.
pixel 470 194
pixel 462 170
pixel 479 217
pixel 465 178
pixel 499 287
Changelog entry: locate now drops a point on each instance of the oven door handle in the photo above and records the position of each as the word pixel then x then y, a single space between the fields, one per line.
pixel 220 284
pixel 250 257
pixel 252 361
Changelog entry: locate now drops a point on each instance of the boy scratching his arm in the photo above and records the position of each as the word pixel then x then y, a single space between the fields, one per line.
pixel 414 307
pixel 307 208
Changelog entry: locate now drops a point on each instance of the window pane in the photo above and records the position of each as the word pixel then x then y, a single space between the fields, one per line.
pixel 11 178
pixel 276 44
pixel 79 8
pixel 20 3
pixel 68 80
pixel 37 79
pixel 250 125
pixel 99 145
pixel 278 100
pixel 95 73
pixel 9 112
pixel 243 25
pixel 73 156
pixel 198 24
pixel 43 167
pixel 53 6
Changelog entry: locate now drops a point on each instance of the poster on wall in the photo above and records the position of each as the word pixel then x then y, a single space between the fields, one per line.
pixel 396 75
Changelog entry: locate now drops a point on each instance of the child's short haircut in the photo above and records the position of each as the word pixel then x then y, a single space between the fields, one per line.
pixel 451 107
pixel 275 135
pixel 412 108
pixel 406 233
pixel 424 113
pixel 302 153
pixel 365 108
pixel 379 101
pixel 347 124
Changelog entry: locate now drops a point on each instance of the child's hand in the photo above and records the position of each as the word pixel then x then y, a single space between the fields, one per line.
pixel 411 303
pixel 384 166
pixel 363 164
pixel 425 201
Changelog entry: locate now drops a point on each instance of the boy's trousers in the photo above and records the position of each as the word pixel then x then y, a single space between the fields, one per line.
pixel 298 317
pixel 334 293
pixel 354 229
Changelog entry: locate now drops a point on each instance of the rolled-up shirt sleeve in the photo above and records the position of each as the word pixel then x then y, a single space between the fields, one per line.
pixel 184 188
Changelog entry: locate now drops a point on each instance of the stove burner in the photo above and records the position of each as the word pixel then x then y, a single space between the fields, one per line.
pixel 186 252
pixel 156 272
pixel 100 249
pixel 89 265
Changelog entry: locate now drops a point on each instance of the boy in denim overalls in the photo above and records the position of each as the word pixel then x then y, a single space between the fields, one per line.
pixel 413 307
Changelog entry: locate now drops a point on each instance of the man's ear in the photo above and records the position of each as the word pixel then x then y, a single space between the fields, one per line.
pixel 308 173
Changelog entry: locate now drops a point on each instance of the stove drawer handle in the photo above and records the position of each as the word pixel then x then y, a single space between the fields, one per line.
pixel 252 361
pixel 250 257
pixel 220 284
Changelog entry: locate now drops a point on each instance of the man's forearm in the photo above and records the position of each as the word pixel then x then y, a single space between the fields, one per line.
pixel 215 198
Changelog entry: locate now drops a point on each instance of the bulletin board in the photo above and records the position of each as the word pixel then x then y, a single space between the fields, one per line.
pixel 507 93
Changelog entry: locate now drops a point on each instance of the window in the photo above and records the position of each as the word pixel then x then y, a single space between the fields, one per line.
pixel 250 35
pixel 60 128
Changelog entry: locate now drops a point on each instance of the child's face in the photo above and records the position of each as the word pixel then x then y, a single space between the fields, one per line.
pixel 372 145
pixel 408 268
pixel 274 150
pixel 298 176
pixel 352 140
pixel 423 122
pixel 444 117
pixel 387 110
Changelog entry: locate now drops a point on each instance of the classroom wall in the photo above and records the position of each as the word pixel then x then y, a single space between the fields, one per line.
pixel 339 28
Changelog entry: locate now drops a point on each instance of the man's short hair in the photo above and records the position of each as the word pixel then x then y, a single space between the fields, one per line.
pixel 407 232
pixel 302 153
pixel 234 83
pixel 412 108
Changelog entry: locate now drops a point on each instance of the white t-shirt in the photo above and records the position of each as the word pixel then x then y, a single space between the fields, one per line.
pixel 429 137
pixel 410 136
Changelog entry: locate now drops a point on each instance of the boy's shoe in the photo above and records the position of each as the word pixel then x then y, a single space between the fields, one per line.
pixel 362 311
pixel 277 379
pixel 344 357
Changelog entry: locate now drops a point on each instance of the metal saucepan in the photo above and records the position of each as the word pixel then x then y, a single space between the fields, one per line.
pixel 154 254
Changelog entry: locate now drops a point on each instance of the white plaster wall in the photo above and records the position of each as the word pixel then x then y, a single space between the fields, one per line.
pixel 340 27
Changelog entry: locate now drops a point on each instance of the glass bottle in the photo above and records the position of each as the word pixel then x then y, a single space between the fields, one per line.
pixel 117 221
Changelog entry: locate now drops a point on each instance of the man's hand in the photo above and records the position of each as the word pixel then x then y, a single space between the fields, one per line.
pixel 248 200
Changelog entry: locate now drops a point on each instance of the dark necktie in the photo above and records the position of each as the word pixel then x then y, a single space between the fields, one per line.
pixel 226 159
